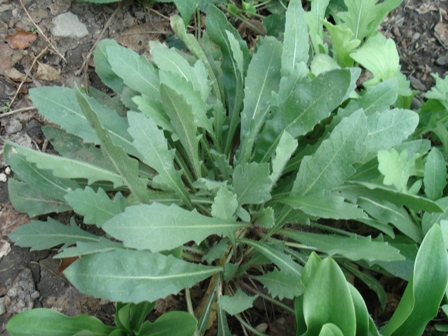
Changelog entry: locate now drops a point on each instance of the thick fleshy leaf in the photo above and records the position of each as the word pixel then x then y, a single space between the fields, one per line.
pixel 182 120
pixel 48 322
pixel 327 299
pixel 327 206
pixel 263 78
pixel 135 70
pixel 152 144
pixel 281 284
pixel 353 248
pixel 435 174
pixel 134 276
pixel 331 164
pixel 421 299
pixel 307 105
pixel 251 183
pixel 96 207
pixel 44 235
pixel 158 227
pixel 237 303
pixel 177 323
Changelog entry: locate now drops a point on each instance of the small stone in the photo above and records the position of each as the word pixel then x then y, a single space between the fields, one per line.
pixel 3 177
pixel 416 84
pixel 68 25
pixel 2 306
pixel 15 126
pixel 442 60
pixel 415 37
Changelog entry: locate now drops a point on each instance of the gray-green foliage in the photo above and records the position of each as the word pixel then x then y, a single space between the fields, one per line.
pixel 217 151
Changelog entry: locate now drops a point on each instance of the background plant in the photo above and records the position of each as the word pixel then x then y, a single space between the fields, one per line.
pixel 234 164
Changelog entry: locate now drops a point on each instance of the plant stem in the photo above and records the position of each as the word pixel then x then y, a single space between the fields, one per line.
pixel 248 326
pixel 190 307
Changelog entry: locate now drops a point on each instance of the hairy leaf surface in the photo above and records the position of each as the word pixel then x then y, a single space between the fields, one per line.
pixel 96 207
pixel 44 235
pixel 144 276
pixel 157 227
pixel 332 162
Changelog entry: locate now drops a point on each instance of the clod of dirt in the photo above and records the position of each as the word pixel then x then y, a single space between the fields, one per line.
pixel 20 294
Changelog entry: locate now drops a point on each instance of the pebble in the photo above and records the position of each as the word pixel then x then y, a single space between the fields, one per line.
pixel 442 60
pixel 68 25
pixel 15 126
pixel 416 84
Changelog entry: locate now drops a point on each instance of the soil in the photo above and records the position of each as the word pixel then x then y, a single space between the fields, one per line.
pixel 32 279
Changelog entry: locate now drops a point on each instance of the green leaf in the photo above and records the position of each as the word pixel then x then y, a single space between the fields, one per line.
pixel 135 70
pixel 84 248
pixel 280 259
pixel 251 183
pixel 281 284
pixel 263 77
pixel 48 322
pixel 364 17
pixel 380 56
pixel 41 180
pixel 343 43
pixel 314 19
pixel 96 207
pixel 44 235
pixel 435 174
pixel 217 27
pixel 421 299
pixel 285 149
pixel 308 104
pixel 150 141
pixel 122 163
pixel 330 329
pixel 389 128
pixel 440 90
pixel 396 167
pixel 325 206
pixel 380 192
pixel 182 120
pixel 144 276
pixel 331 164
pixel 386 212
pixel 353 248
pixel 33 202
pixel 327 299
pixel 224 204
pixel 103 67
pixel 171 323
pixel 295 42
pixel 187 8
pixel 62 141
pixel 237 303
pixel 158 227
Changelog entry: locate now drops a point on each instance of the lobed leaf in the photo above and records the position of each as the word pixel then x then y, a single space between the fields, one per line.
pixel 158 227
pixel 281 284
pixel 224 204
pixel 237 303
pixel 331 164
pixel 177 323
pixel 83 248
pixel 396 167
pixel 353 248
pixel 251 183
pixel 343 43
pixel 96 207
pixel 144 276
pixel 44 235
